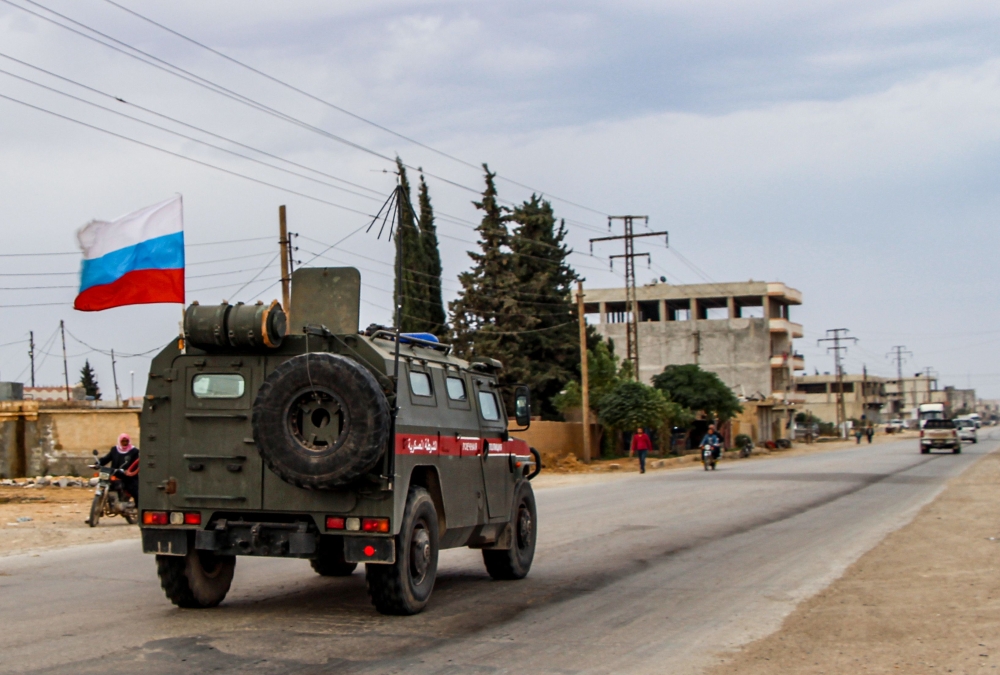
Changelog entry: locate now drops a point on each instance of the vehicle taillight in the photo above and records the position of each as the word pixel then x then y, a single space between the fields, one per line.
pixel 192 518
pixel 375 525
pixel 334 523
pixel 155 518
pixel 921 433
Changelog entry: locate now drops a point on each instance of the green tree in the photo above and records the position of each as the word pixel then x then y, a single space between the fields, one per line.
pixel 632 404
pixel 697 389
pixel 88 378
pixel 604 373
pixel 433 310
pixel 550 343
pixel 410 291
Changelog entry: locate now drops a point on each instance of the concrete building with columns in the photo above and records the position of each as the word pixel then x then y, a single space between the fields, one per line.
pixel 743 332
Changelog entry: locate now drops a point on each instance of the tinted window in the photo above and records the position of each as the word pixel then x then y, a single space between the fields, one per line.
pixel 420 384
pixel 939 424
pixel 456 389
pixel 488 406
pixel 218 385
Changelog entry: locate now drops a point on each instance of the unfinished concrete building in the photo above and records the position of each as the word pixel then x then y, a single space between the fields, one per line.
pixel 743 332
pixel 864 396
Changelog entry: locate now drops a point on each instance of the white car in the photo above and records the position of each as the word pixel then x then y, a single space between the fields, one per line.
pixel 967 430
pixel 895 426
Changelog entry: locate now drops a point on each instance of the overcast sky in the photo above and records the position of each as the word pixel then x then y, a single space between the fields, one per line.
pixel 848 149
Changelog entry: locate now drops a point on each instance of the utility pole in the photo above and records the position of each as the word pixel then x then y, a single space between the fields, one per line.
pixel 836 336
pixel 285 259
pixel 631 302
pixel 62 331
pixel 931 378
pixel 584 377
pixel 899 353
pixel 31 354
pixel 114 375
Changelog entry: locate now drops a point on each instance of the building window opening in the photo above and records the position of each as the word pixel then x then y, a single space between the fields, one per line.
pixel 649 311
pixel 716 313
pixel 616 312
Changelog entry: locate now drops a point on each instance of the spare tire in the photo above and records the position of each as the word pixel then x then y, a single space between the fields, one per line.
pixel 320 421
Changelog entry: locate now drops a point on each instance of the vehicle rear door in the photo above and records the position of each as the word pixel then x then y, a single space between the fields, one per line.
pixel 214 459
pixel 493 455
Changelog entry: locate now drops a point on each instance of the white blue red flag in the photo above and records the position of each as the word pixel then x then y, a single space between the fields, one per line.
pixel 135 260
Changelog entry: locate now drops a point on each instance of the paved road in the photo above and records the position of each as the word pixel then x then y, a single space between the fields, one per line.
pixel 640 574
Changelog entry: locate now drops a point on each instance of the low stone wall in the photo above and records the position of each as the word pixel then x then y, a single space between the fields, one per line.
pixel 559 439
pixel 38 441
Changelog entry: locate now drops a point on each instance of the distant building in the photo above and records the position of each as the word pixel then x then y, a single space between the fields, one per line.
pixel 904 398
pixel 864 396
pixel 742 332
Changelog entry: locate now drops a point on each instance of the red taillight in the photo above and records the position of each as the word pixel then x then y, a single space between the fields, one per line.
pixel 334 523
pixel 154 518
pixel 921 433
pixel 375 525
pixel 192 518
pixel 369 551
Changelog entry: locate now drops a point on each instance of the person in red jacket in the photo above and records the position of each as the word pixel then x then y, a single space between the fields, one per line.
pixel 641 445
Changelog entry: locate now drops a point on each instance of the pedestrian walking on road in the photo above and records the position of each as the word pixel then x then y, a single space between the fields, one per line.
pixel 857 434
pixel 869 432
pixel 641 445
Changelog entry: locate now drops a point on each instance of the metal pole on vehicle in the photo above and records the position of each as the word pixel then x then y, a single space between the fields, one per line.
pixel 584 379
pixel 285 275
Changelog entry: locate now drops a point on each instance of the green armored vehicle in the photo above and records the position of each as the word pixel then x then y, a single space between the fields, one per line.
pixel 328 444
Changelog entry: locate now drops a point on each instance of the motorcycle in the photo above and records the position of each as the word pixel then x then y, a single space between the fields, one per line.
pixel 746 450
pixel 109 497
pixel 708 457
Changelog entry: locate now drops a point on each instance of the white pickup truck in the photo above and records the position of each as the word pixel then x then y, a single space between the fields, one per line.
pixel 939 433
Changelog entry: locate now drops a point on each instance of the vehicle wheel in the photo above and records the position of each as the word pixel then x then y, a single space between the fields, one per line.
pixel 706 466
pixel 404 587
pixel 329 560
pixel 713 466
pixel 320 420
pixel 957 449
pixel 924 451
pixel 132 517
pixel 198 580
pixel 97 509
pixel 515 562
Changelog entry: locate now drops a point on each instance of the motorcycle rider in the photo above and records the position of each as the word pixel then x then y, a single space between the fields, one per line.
pixel 714 440
pixel 124 460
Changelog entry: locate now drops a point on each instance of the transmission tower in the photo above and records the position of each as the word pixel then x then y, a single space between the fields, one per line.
pixel 836 336
pixel 631 301
pixel 899 354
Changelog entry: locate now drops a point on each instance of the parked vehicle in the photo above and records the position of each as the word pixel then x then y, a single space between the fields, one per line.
pixel 110 498
pixel 939 433
pixel 328 445
pixel 895 426
pixel 746 449
pixel 966 430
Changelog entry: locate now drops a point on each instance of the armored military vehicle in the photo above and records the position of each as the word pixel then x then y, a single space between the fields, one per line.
pixel 328 444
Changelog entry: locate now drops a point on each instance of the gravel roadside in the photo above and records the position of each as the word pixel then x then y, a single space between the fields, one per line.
pixel 925 600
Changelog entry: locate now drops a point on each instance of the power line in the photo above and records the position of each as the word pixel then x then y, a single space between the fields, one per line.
pixel 339 108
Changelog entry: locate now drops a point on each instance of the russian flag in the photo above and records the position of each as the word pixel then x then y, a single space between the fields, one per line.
pixel 135 260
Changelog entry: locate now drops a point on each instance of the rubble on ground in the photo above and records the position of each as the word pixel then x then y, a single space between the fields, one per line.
pixel 49 481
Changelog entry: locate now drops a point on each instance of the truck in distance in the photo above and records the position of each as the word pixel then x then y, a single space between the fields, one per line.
pixel 328 444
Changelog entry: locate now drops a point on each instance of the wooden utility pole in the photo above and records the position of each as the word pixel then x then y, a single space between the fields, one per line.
pixel 31 354
pixel 114 376
pixel 631 301
pixel 62 330
pixel 584 378
pixel 285 259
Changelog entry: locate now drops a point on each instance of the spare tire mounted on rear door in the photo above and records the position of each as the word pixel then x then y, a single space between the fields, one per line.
pixel 320 420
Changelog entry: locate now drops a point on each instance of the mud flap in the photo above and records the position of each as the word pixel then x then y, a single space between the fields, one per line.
pixel 370 550
pixel 165 542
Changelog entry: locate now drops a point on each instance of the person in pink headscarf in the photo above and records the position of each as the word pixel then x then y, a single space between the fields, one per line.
pixel 124 459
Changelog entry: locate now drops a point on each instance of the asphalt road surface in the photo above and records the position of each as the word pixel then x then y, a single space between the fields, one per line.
pixel 640 574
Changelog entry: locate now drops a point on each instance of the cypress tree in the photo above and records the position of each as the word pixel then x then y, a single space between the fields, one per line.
pixel 88 379
pixel 409 247
pixel 433 310
pixel 545 285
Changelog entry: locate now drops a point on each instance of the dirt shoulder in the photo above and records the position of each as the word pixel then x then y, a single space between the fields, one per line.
pixel 53 517
pixel 925 600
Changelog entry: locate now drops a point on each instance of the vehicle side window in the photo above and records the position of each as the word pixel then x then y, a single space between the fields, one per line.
pixel 488 406
pixel 456 389
pixel 420 384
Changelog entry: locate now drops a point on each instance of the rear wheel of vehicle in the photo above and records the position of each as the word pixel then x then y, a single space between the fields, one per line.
pixel 957 449
pixel 97 509
pixel 197 580
pixel 404 587
pixel 515 563
pixel 320 420
pixel 329 560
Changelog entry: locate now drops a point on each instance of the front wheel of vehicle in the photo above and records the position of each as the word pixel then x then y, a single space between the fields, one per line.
pixel 515 562
pixel 197 580
pixel 404 587
pixel 924 451
pixel 97 509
